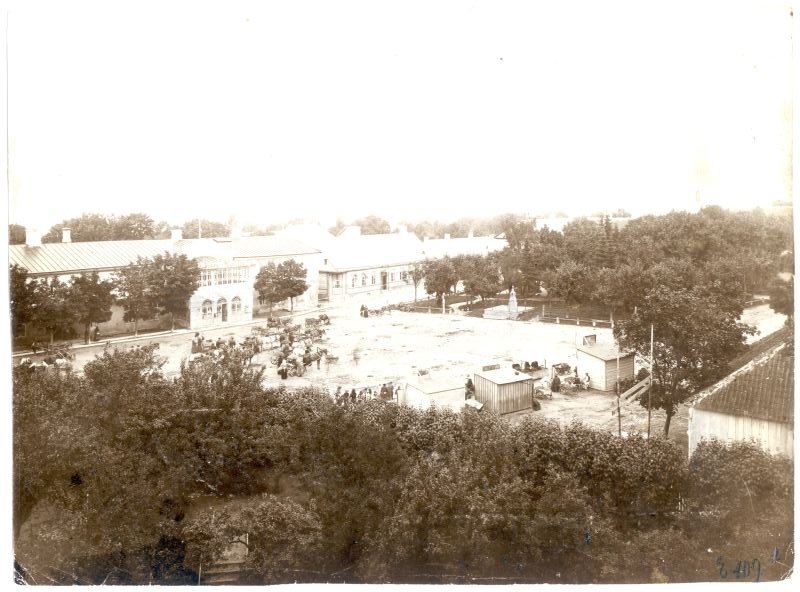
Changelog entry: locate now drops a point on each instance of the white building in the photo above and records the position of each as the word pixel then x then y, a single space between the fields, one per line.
pixel 228 267
pixel 358 265
pixel 757 405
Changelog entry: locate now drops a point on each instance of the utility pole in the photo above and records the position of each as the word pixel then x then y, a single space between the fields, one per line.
pixel 650 386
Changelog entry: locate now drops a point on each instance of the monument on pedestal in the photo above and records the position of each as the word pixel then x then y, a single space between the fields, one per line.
pixel 512 305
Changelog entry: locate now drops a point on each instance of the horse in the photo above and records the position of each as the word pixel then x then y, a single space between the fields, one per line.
pixel 310 357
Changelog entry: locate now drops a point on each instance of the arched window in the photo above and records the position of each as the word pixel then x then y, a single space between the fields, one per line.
pixel 236 305
pixel 363 279
pixel 206 309
pixel 222 309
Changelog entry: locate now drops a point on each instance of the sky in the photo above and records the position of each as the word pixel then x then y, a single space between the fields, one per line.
pixel 408 110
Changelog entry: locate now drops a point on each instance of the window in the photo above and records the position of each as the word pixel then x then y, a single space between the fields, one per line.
pixel 236 304
pixel 391 277
pixel 206 309
pixel 363 279
pixel 336 281
pixel 373 279
pixel 403 275
pixel 353 283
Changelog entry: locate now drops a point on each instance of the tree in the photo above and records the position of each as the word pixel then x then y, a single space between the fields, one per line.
pixel 90 300
pixel 291 277
pixel 87 228
pixel 134 287
pixel 174 278
pixel 207 228
pixel 22 297
pixel 417 273
pixel 266 284
pixel 51 308
pixel 570 281
pixel 134 227
pixel 282 538
pixel 781 297
pixel 519 232
pixel 440 276
pixel 16 234
pixel 481 276
pixel 695 335
pixel 373 225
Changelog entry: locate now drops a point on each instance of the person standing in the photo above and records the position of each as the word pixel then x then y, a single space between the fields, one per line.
pixel 555 385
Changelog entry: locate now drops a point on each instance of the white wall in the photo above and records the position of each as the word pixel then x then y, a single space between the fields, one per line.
pixel 774 437
pixel 450 399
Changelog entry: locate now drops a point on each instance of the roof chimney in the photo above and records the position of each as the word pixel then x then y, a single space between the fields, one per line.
pixel 176 234
pixel 33 238
pixel 66 235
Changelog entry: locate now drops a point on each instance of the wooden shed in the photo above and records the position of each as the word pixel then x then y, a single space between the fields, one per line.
pixel 600 362
pixel 504 390
pixel 442 391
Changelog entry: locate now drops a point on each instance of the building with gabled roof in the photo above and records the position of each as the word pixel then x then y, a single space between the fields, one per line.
pixel 228 266
pixel 366 265
pixel 756 404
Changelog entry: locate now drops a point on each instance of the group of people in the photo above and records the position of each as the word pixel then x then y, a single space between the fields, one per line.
pixel 199 344
pixel 364 311
pixel 387 392
pixel 555 383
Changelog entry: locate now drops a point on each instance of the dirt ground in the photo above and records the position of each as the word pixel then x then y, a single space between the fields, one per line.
pixel 394 346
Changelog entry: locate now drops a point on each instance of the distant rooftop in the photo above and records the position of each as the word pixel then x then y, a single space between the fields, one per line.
pixel 604 351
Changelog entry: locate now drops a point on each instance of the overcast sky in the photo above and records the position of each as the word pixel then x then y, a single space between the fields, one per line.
pixel 408 110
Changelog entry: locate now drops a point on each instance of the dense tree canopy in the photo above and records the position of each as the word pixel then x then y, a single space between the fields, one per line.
pixel 125 472
pixel 90 300
pixel 99 227
pixel 134 287
pixel 16 234
pixel 202 228
pixel 174 278
pixel 276 283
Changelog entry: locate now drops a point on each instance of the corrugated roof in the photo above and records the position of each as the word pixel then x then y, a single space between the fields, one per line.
pixel 765 392
pixel 373 250
pixel 604 351
pixel 503 375
pixel 67 258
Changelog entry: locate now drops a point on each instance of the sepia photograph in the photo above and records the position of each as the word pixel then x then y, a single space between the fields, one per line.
pixel 399 293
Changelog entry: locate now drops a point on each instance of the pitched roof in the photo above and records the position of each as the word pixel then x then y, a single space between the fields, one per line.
pixel 68 258
pixel 270 246
pixel 452 247
pixel 765 392
pixel 372 250
pixel 604 351
pixel 504 376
